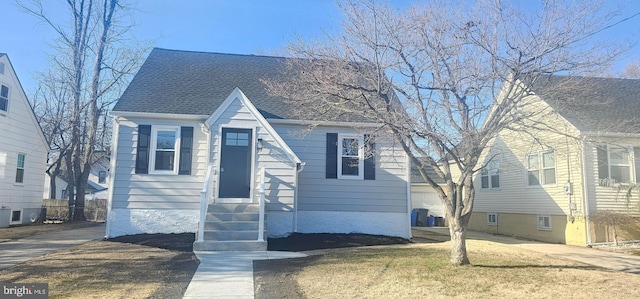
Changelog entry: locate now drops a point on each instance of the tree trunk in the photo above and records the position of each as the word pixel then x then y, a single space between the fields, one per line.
pixel 458 234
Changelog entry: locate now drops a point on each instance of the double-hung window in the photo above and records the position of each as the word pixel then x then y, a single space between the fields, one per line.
pixel 541 168
pixel 490 177
pixel 351 157
pixel 164 149
pixel 20 169
pixel 615 164
pixel 4 98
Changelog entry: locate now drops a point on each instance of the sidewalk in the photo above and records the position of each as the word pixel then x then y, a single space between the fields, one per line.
pixel 22 250
pixel 599 258
pixel 228 274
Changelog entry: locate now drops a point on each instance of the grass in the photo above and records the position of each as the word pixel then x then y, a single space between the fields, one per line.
pixel 423 271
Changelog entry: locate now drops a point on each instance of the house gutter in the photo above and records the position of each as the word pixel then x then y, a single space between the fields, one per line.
pixel 586 192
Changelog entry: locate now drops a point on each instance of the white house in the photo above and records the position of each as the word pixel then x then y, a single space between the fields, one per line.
pixel 198 142
pixel 23 152
pixel 548 184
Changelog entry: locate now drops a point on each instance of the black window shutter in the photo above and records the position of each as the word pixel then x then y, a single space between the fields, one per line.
pixel 603 164
pixel 186 146
pixel 636 158
pixel 332 156
pixel 369 158
pixel 142 152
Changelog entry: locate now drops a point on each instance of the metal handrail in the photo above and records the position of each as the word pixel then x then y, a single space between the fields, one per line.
pixel 204 202
pixel 261 216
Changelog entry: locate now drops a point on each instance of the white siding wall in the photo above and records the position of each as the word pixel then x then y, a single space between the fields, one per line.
pixel 387 193
pixel 510 150
pixel 20 133
pixel 280 170
pixel 611 198
pixel 151 203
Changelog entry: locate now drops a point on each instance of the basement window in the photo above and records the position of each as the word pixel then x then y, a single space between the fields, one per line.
pixel 492 219
pixel 544 222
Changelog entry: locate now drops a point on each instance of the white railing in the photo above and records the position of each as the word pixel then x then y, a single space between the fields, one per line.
pixel 204 202
pixel 261 217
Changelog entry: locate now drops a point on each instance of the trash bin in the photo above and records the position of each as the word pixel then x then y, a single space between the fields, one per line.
pixel 5 217
pixel 414 217
pixel 431 220
pixel 421 219
pixel 439 221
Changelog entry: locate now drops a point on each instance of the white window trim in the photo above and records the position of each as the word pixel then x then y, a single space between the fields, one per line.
pixel 490 169
pixel 8 98
pixel 542 227
pixel 360 139
pixel 24 168
pixel 630 161
pixel 541 169
pixel 19 221
pixel 152 154
pixel 495 217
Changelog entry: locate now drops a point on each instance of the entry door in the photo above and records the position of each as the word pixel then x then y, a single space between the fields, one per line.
pixel 235 163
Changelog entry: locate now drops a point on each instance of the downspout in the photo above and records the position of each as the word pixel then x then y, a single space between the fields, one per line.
pixel 112 174
pixel 408 174
pixel 299 168
pixel 586 192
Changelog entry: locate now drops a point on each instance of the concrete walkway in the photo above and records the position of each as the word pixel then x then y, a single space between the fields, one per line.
pixel 228 274
pixel 22 250
pixel 599 258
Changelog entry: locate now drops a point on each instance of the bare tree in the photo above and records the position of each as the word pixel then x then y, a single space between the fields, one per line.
pixel 93 63
pixel 445 79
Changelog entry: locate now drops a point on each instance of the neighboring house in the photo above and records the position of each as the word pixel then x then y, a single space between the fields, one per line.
pixel 546 189
pixel 423 196
pixel 192 120
pixel 97 182
pixel 23 152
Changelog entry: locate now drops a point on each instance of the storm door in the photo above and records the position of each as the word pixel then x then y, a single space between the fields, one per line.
pixel 235 163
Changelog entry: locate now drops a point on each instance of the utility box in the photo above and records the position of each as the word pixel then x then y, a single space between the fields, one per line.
pixel 5 217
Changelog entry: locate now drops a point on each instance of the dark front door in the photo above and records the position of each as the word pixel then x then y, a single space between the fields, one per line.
pixel 235 163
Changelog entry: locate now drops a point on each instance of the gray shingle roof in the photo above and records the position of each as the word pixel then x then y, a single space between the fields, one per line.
pixel 416 177
pixel 594 104
pixel 184 82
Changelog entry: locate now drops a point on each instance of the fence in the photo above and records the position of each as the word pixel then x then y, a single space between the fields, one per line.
pixel 58 209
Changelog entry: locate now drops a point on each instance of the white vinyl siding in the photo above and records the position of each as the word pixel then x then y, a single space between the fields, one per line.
pixel 387 193
pixel 157 191
pixel 280 172
pixel 20 134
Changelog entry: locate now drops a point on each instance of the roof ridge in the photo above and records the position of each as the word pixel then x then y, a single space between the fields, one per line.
pixel 221 53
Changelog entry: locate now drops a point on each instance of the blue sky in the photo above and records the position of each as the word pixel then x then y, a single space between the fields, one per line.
pixel 229 26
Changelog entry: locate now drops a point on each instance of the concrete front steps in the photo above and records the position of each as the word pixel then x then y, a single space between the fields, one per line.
pixel 232 227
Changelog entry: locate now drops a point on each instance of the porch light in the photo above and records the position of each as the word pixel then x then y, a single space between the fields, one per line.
pixel 259 144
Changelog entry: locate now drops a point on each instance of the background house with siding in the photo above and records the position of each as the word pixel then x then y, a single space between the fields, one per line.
pixel 546 188
pixel 185 112
pixel 23 152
